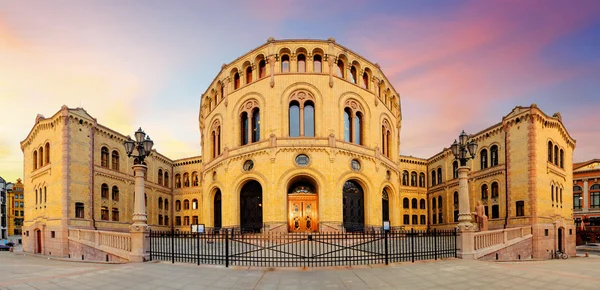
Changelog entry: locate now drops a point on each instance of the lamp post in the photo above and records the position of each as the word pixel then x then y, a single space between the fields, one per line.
pixel 463 151
pixel 139 243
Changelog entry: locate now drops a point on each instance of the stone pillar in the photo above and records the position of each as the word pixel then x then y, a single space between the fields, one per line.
pixel 139 229
pixel 466 230
pixel 272 70
pixel 302 120
pixel 352 129
pixel 586 201
pixel 250 127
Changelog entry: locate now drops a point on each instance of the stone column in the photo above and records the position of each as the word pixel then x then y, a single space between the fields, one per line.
pixel 139 229
pixel 302 120
pixel 586 201
pixel 466 230
pixel 250 128
pixel 272 70
pixel 352 129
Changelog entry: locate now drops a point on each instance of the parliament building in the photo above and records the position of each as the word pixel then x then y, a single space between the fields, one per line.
pixel 297 135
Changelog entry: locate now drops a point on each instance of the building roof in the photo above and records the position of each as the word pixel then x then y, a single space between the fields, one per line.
pixel 593 164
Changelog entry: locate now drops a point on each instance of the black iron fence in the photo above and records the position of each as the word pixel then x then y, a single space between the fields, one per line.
pixel 234 248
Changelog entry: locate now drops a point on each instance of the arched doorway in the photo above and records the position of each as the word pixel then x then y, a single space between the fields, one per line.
pixel 560 240
pixel 385 205
pixel 353 206
pixel 303 214
pixel 251 218
pixel 38 249
pixel 217 210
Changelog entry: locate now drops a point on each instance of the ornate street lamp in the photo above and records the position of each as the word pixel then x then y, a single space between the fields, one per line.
pixel 463 151
pixel 139 242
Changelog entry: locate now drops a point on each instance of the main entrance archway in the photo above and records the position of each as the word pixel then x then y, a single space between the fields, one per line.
pixel 353 206
pixel 251 218
pixel 217 210
pixel 303 213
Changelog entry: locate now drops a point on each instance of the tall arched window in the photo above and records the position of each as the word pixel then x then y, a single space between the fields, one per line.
pixel 455 169
pixel 495 190
pixel 422 204
pixel 294 116
pixel 404 177
pixel 177 180
pixel 421 179
pixel 104 191
pixel 186 204
pixel 115 193
pixel 354 116
pixel 166 203
pixel 552 193
pixel 41 150
pixel 302 114
pixel 353 73
pixel 317 63
pixel 456 197
pixel 494 155
pixel 285 63
pixel 262 68
pixel 439 175
pixel 104 157
pixel 301 63
pixel 386 138
pixel 244 128
pixel 48 153
pixel 550 146
pixel 414 203
pixel 483 156
pixel 555 155
pixel 186 179
pixel 194 204
pixel 255 125
pixel 115 160
pixel 167 179
pixel 347 126
pixel 365 79
pixel 249 74
pixel 194 178
pixel 215 136
pixel 177 205
pixel 160 176
pixel 484 192
pixel 160 203
pixel 358 128
pixel 309 119
pixel 236 80
pixel 433 179
pixel 561 155
pixel 340 66
pixel 413 179
pixel 405 203
pixel 35 160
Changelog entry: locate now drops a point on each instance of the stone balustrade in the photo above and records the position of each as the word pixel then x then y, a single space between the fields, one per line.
pixel 114 243
pixel 490 241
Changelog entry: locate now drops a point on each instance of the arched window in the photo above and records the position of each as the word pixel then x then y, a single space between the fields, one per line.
pixel 404 177
pixel 421 179
pixel 301 114
pixel 160 176
pixel 216 139
pixel 550 146
pixel 495 190
pixel 115 193
pixel 353 116
pixel 340 66
pixel 422 204
pixel 47 153
pixel 104 157
pixel 255 125
pixel 186 204
pixel 552 193
pixel 45 195
pixel 483 156
pixel 358 128
pixel 484 192
pixel 244 128
pixel 365 80
pixel 414 203
pixel 167 179
pixel 494 155
pixel 177 205
pixel 439 175
pixel 236 80
pixel 177 180
pixel 35 160
pixel 405 203
pixel 562 154
pixel 317 63
pixel 385 205
pixel 160 203
pixel 347 125
pixel 440 205
pixel 455 169
pixel 166 203
pixel 285 63
pixel 456 198
pixel 301 63
pixel 186 179
pixel 386 138
pixel 104 191
pixel 555 155
pixel 413 179
pixel 353 72
pixel 249 74
pixel 262 68
pixel 433 179
pixel 309 119
pixel 194 178
pixel 41 150
pixel 115 160
pixel 294 119
pixel 433 204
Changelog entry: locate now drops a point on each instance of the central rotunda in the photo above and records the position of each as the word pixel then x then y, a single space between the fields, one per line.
pixel 300 136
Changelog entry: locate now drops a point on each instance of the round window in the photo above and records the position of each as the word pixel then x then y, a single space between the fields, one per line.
pixel 302 160
pixel 355 165
pixel 248 165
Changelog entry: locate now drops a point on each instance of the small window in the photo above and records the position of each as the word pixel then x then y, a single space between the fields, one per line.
pixel 355 165
pixel 406 219
pixel 53 234
pixel 405 203
pixel 194 204
pixel 415 219
pixel 115 214
pixel 495 211
pixel 570 232
pixel 423 219
pixel 520 206
pixel 178 221
pixel 414 203
pixel 546 232
pixel 104 213
pixel 285 63
pixel 104 191
pixel 317 63
pixel 186 204
pixel 302 160
pixel 422 203
pixel 178 205
pixel 79 210
pixel 248 165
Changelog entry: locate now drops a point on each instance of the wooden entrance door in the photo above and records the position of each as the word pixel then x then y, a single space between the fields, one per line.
pixel 303 213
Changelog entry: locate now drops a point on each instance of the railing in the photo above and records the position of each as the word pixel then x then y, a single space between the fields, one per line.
pixel 115 243
pixel 301 249
pixel 488 239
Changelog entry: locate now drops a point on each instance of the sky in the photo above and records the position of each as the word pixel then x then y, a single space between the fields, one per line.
pixel 457 65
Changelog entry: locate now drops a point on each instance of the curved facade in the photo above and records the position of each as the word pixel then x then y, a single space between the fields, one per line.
pixel 316 122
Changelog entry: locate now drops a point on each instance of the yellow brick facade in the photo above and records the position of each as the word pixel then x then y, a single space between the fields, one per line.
pixel 281 83
pixel 16 209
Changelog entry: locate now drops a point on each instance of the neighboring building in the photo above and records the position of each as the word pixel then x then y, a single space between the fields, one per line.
pixel 297 135
pixel 586 198
pixel 3 215
pixel 16 210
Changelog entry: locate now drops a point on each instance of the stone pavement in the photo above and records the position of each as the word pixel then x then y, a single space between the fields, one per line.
pixel 18 271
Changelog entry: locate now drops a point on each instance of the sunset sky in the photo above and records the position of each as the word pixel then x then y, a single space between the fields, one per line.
pixel 456 64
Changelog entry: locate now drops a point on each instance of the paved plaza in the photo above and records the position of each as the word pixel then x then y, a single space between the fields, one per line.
pixel 19 271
